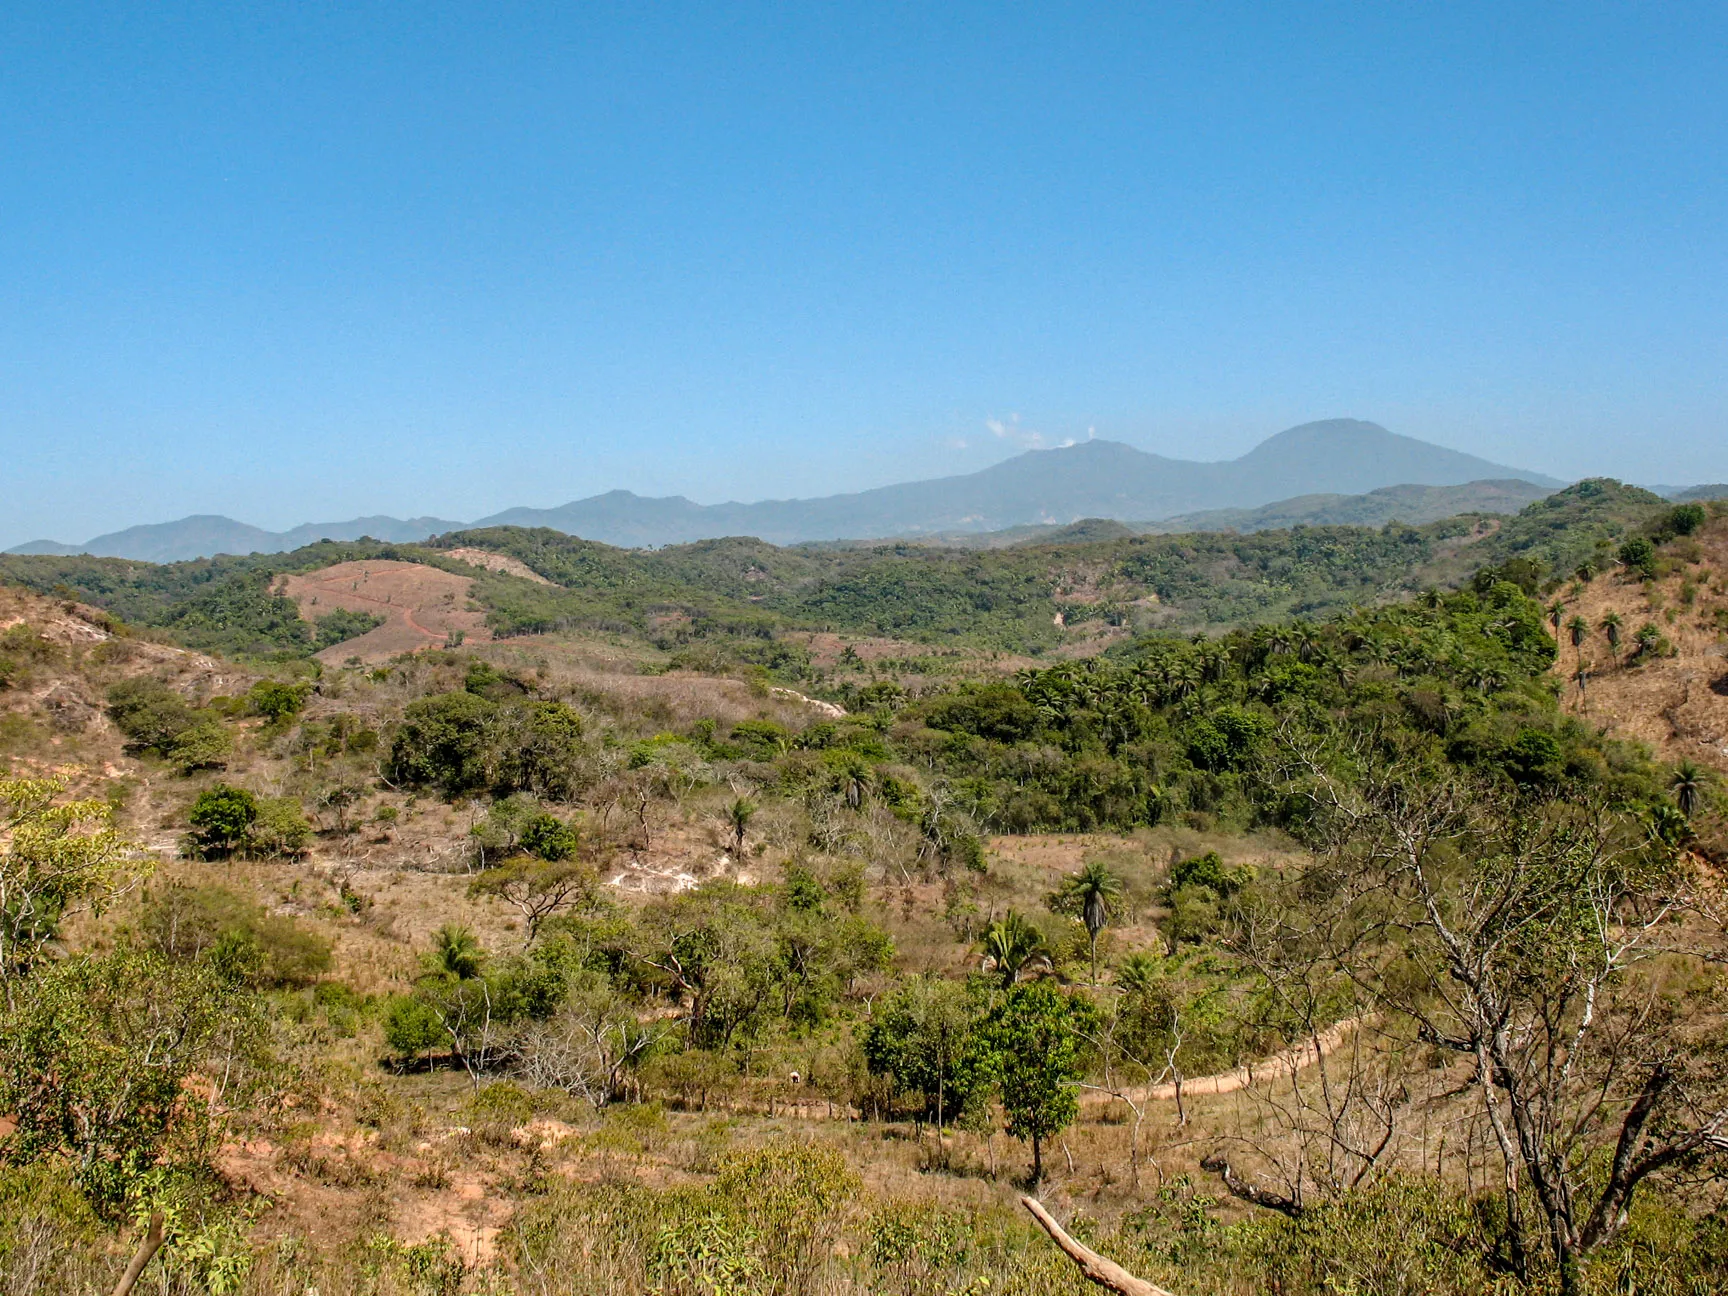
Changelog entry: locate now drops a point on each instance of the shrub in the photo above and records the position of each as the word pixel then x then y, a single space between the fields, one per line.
pixel 1686 519
pixel 275 700
pixel 279 829
pixel 221 818
pixel 1639 555
pixel 444 741
pixel 149 713
pixel 242 941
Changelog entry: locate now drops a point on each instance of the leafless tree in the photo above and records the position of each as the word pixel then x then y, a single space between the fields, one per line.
pixel 1546 942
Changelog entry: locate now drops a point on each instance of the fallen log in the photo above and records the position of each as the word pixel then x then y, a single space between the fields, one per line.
pixel 1106 1273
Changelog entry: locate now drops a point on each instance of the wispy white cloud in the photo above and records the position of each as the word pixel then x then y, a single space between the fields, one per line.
pixel 1009 430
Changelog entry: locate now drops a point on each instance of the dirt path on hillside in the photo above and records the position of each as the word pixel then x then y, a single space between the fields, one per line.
pixel 1285 1062
pixel 423 607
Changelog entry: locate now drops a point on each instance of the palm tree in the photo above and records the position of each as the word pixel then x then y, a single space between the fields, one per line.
pixel 738 817
pixel 1611 627
pixel 1012 946
pixel 1556 610
pixel 1090 891
pixel 1576 629
pixel 1688 785
pixel 456 952
pixel 1648 638
pixel 1139 972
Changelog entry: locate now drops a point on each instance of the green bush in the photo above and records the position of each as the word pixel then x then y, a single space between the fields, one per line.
pixel 445 741
pixel 239 938
pixel 150 713
pixel 275 700
pixel 221 818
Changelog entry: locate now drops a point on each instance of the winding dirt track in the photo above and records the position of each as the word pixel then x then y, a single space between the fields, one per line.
pixel 422 606
pixel 1280 1064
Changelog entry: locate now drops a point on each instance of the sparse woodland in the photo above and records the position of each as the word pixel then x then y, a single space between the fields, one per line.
pixel 734 920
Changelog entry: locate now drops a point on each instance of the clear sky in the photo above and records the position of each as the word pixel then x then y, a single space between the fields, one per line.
pixel 300 262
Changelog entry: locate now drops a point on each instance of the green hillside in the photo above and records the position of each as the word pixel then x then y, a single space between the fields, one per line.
pixel 1003 598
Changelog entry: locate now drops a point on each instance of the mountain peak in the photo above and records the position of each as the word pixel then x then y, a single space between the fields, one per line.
pixel 1092 479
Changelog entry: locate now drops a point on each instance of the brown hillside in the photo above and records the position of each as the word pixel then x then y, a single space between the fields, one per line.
pixel 422 607
pixel 1678 703
pixel 497 562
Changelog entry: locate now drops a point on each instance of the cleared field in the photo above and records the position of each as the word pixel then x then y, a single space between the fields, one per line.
pixel 422 607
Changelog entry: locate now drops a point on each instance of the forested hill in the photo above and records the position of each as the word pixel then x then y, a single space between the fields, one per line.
pixel 1029 598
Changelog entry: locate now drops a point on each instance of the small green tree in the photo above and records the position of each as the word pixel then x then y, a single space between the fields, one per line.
pixel 57 858
pixel 920 1038
pixel 277 701
pixel 1034 1041
pixel 550 838
pixel 411 1027
pixel 538 888
pixel 446 741
pixel 456 953
pixel 95 1057
pixel 1014 947
pixel 1638 555
pixel 1689 783
pixel 150 713
pixel 280 829
pixel 1611 626
pixel 221 818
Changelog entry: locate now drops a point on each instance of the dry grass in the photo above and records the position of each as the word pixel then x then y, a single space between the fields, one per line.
pixel 422 606
pixel 1676 705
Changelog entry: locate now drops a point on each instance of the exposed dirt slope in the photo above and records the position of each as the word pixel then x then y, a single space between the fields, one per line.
pixel 1677 704
pixel 422 606
pixel 497 562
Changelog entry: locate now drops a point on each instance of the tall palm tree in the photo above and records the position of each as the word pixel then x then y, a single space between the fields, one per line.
pixel 1611 627
pixel 1090 891
pixel 1688 785
pixel 1013 946
pixel 1556 610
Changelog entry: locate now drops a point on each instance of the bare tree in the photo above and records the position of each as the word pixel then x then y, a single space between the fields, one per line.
pixel 1538 940
pixel 589 1047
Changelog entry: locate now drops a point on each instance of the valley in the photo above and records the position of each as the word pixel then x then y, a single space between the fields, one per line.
pixel 541 916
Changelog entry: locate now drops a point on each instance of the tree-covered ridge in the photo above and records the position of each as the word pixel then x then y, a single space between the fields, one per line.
pixel 1453 683
pixel 741 589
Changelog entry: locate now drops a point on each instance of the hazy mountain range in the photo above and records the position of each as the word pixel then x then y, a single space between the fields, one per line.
pixel 1094 479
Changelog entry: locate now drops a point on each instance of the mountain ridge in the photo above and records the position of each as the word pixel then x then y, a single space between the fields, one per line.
pixel 1091 479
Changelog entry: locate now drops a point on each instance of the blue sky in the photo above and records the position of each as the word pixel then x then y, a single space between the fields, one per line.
pixel 302 262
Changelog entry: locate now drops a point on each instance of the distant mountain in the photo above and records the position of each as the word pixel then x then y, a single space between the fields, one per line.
pixel 1095 479
pixel 206 534
pixel 1412 504
pixel 1690 493
pixel 1092 480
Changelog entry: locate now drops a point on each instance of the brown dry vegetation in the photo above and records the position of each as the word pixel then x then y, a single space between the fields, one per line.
pixel 1675 703
pixel 422 607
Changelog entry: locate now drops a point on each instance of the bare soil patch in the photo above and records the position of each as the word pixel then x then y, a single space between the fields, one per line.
pixel 423 607
pixel 497 562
